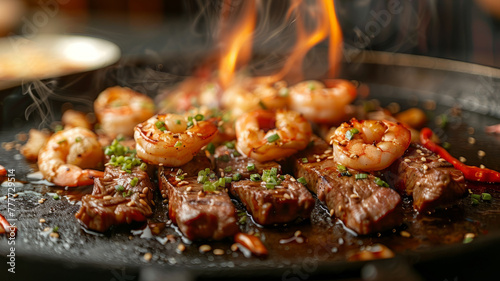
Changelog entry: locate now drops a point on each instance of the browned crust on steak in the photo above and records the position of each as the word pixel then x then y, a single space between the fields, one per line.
pixel 362 205
pixel 437 184
pixel 107 206
pixel 282 204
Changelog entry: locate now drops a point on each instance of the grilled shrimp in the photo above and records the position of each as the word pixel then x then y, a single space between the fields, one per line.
pixel 68 154
pixel 322 104
pixel 369 145
pixel 120 109
pixel 248 96
pixel 172 140
pixel 266 135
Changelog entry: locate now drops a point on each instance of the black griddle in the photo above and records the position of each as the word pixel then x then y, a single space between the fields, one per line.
pixel 435 250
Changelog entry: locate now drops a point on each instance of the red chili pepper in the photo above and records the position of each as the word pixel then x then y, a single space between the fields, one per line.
pixel 6 225
pixel 252 243
pixel 471 173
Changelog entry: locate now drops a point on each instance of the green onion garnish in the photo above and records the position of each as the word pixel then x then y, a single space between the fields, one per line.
pixel 78 139
pixel 350 134
pixel 211 148
pixel 273 138
pixel 361 176
pixel 228 169
pixel 475 196
pixel 55 229
pixel 237 177
pixel 178 122
pixel 199 117
pixel 255 177
pixel 160 124
pixel 302 180
pixel 304 160
pixel 143 166
pixel 230 144
pixel 224 158
pixel 380 182
pixel 56 197
pixel 261 104
pixel 250 167
pixel 341 168
pixel 178 144
pixel 119 187
pixel 134 181
pixel 486 197
pixel 283 92
pixel 446 145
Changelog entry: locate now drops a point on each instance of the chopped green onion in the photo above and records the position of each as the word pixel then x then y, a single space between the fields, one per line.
pixel 211 148
pixel 160 124
pixel 190 124
pixel 199 117
pixel 486 197
pixel 134 181
pixel 56 196
pixel 255 177
pixel 242 219
pixel 119 187
pixel 237 177
pixel 302 180
pixel 346 173
pixel 442 120
pixel 178 144
pixel 224 158
pixel 208 186
pixel 304 160
pixel 350 134
pixel 55 229
pixel 474 201
pixel 78 139
pixel 143 166
pixel 311 86
pixel 178 122
pixel 58 128
pixel 341 168
pixel 273 138
pixel 361 176
pixel 61 141
pixel 228 169
pixel 467 240
pixel 236 153
pixel 380 182
pixel 250 167
pixel 475 196
pixel 202 178
pixel 230 144
pixel 228 179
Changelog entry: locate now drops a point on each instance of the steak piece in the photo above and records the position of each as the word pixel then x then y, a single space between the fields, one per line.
pixel 281 204
pixel 109 205
pixel 198 214
pixel 430 180
pixel 361 204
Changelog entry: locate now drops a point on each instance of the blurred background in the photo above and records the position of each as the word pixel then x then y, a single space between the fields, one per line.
pixel 466 30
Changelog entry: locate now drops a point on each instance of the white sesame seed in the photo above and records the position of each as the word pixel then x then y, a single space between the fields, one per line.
pixel 42 220
pixel 148 256
pixel 54 235
pixel 482 166
pixel 107 197
pixel 417 183
pixel 405 234
pixel 470 130
pixel 286 195
pixel 462 159
pixel 481 154
pixel 297 233
pixel 423 159
pixel 354 196
pixel 471 140
pixel 407 160
pixel 419 151
pixel 234 247
pixel 441 160
pixel 332 212
pixel 218 252
pixel 293 179
pixel 131 203
pixel 205 248
pixel 181 247
pixel 181 183
pixel 470 235
pixel 188 189
pixel 425 167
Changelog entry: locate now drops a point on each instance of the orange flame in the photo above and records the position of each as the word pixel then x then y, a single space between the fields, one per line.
pixel 239 39
pixel 238 50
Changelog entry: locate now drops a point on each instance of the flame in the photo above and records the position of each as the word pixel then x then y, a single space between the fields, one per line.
pixel 238 48
pixel 239 39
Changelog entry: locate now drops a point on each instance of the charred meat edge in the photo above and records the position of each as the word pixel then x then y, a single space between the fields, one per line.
pixel 199 215
pixel 282 204
pixel 430 180
pixel 361 204
pixel 107 206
